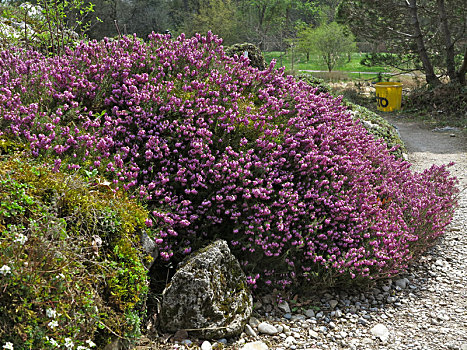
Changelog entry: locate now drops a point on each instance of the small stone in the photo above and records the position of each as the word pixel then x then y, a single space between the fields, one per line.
pixel 310 313
pixel 290 340
pixel 206 345
pixel 464 346
pixel 253 322
pixel 385 288
pixel 298 317
pixel 267 328
pixel 362 321
pixel 380 331
pixel 288 315
pixel 250 331
pixel 333 303
pixel 402 283
pixel 187 342
pixel 323 329
pixel 222 341
pixel 313 334
pixel 257 345
pixel 180 335
pixel 284 306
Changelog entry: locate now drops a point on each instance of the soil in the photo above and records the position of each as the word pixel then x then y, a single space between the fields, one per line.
pixel 427 146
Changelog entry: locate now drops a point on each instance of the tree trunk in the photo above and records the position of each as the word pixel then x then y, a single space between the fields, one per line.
pixel 449 46
pixel 463 69
pixel 430 75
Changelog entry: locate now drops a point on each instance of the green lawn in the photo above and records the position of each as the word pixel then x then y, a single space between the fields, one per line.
pixel 300 63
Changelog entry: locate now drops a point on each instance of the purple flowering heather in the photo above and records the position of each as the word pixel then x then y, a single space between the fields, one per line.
pixel 219 149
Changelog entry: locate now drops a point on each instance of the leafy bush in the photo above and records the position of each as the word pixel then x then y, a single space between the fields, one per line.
pixel 71 269
pixel 219 149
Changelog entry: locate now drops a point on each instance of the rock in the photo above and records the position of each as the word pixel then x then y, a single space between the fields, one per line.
pixel 187 342
pixel 402 283
pixel 180 335
pixel 257 345
pixel 313 334
pixel 267 328
pixel 385 288
pixel 149 247
pixel 206 345
pixel 310 313
pixel 284 306
pixel 290 340
pixel 253 322
pixel 380 331
pixel 250 331
pixel 207 295
pixel 464 346
pixel 333 303
pixel 252 52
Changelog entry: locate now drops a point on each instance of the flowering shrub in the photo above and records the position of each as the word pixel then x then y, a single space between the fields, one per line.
pixel 219 149
pixel 71 275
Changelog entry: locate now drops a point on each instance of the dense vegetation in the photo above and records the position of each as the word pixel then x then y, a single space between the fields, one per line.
pixel 175 140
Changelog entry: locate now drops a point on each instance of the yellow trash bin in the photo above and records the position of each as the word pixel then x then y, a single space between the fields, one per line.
pixel 388 96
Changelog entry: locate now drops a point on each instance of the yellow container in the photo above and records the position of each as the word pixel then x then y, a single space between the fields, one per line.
pixel 388 96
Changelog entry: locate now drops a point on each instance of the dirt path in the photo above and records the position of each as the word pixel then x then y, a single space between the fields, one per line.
pixel 427 147
pixel 436 317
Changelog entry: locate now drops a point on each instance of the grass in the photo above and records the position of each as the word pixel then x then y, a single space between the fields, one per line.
pixel 314 63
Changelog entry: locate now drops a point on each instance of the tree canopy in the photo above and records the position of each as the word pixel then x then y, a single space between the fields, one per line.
pixel 329 41
pixel 426 35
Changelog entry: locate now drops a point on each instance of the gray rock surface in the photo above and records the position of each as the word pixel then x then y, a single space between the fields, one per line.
pixel 208 295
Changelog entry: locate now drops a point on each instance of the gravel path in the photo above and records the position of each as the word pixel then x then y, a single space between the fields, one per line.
pixel 426 309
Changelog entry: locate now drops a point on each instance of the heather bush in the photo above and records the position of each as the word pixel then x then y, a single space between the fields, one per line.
pixel 71 273
pixel 216 148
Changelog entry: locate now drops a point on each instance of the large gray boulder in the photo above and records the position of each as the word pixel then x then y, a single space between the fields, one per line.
pixel 208 295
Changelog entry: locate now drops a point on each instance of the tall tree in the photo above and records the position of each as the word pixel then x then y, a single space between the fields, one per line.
pixel 430 34
pixel 268 23
pixel 217 16
pixel 330 42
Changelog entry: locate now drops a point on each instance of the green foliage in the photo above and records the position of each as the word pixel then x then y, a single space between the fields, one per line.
pixel 72 269
pixel 217 16
pixel 48 26
pixel 330 42
pixel 378 127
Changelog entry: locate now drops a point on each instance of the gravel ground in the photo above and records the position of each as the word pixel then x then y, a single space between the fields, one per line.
pixel 425 309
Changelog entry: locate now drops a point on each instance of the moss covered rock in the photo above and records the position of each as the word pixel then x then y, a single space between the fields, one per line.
pixel 208 295
pixel 253 53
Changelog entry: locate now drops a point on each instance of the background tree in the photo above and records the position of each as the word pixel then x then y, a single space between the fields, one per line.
pixel 330 42
pixel 268 23
pixel 217 16
pixel 426 35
